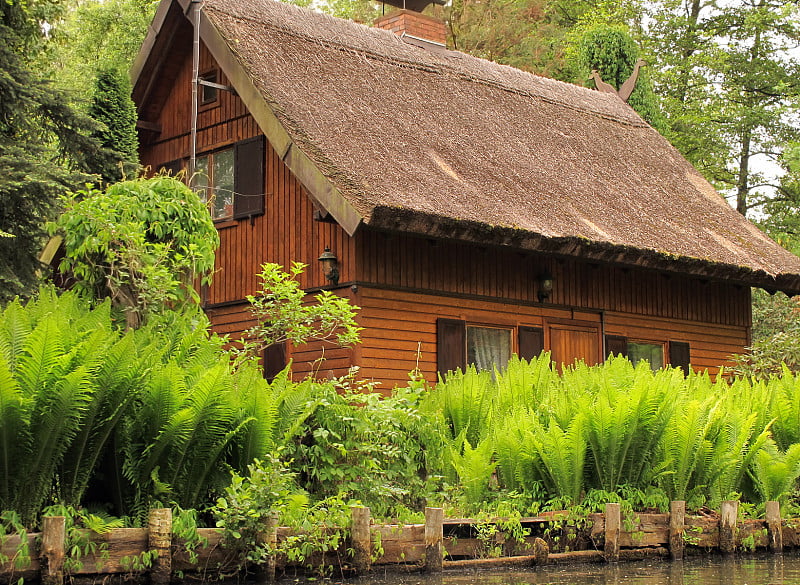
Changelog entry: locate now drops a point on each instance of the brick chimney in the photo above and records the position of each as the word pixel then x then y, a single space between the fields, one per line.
pixel 414 24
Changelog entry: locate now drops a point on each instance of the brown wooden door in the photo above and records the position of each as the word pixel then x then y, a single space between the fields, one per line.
pixel 570 342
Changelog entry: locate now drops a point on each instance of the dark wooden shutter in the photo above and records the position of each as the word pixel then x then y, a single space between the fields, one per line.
pixel 531 342
pixel 274 360
pixel 451 345
pixel 679 355
pixel 616 345
pixel 248 177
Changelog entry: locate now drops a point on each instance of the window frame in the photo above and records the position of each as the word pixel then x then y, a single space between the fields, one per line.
pixel 512 331
pixel 661 344
pixel 210 179
pixel 208 96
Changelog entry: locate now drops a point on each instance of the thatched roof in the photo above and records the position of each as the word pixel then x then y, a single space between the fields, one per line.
pixel 440 143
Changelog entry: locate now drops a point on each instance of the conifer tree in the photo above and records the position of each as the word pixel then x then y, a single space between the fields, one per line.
pixel 44 145
pixel 113 108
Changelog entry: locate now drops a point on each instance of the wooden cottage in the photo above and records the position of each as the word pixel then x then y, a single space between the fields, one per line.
pixel 474 210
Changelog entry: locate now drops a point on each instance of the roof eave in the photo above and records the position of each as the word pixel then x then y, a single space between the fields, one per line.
pixel 434 226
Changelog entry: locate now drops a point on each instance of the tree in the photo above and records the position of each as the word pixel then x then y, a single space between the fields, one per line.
pixel 140 242
pixel 44 144
pixel 612 52
pixel 284 315
pixel 729 84
pixel 113 108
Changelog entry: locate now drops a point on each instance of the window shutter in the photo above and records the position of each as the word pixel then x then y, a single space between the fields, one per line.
pixel 248 177
pixel 451 345
pixel 531 342
pixel 274 360
pixel 616 345
pixel 679 355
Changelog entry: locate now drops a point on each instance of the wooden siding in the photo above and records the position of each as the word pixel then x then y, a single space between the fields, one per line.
pixel 400 330
pixel 461 268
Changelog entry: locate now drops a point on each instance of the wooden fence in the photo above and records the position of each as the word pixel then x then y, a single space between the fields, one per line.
pixel 436 545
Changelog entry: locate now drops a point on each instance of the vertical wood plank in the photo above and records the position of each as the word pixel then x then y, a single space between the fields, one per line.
pixel 774 528
pixel 361 540
pixel 434 537
pixel 677 517
pixel 159 539
pixel 613 521
pixel 728 517
pixel 52 555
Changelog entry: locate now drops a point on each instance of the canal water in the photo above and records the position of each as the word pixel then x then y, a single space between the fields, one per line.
pixel 767 570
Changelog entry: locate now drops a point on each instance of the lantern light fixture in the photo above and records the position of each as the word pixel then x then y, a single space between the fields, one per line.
pixel 330 265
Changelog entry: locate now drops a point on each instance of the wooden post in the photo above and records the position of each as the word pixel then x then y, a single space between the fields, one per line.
pixel 361 540
pixel 434 537
pixel 613 522
pixel 774 529
pixel 54 531
pixel 677 519
pixel 541 552
pixel 269 537
pixel 159 539
pixel 729 514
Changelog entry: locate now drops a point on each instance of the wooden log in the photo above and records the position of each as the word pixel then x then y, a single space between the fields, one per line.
pixel 728 517
pixel 540 552
pixel 361 540
pixel 677 516
pixel 434 535
pixel 54 530
pixel 774 527
pixel 159 539
pixel 613 520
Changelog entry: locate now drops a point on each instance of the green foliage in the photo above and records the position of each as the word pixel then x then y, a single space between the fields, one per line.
pixel 362 446
pixel 44 144
pixel 140 243
pixel 87 411
pixel 115 112
pixel 269 494
pixel 775 472
pixel 79 528
pixel 283 315
pixel 612 52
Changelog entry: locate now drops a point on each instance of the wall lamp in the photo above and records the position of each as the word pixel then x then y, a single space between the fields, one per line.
pixel 330 265
pixel 545 282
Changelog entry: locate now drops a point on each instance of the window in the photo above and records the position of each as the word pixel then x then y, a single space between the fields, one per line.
pixel 653 353
pixel 208 94
pixel 458 344
pixel 488 347
pixel 214 182
pixel 231 181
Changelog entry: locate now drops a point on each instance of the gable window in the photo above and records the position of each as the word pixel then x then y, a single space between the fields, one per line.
pixel 208 93
pixel 231 180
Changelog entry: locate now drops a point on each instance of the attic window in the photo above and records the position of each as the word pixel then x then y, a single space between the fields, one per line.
pixel 209 93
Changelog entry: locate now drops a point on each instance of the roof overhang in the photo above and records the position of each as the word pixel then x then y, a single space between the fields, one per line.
pixel 434 226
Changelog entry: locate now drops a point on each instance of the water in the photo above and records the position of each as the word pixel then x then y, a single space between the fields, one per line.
pixel 757 570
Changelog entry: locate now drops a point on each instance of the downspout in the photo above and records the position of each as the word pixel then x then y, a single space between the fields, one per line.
pixel 194 8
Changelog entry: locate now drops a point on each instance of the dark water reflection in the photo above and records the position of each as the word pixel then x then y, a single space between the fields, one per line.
pixel 767 570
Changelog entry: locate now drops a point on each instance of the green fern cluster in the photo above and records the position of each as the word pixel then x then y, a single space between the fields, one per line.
pixel 618 428
pixel 89 413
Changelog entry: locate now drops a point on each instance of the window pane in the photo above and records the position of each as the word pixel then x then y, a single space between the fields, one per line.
pixel 201 177
pixel 222 177
pixel 488 347
pixel 650 352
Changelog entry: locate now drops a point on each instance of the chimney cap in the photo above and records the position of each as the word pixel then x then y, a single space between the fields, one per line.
pixel 415 5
